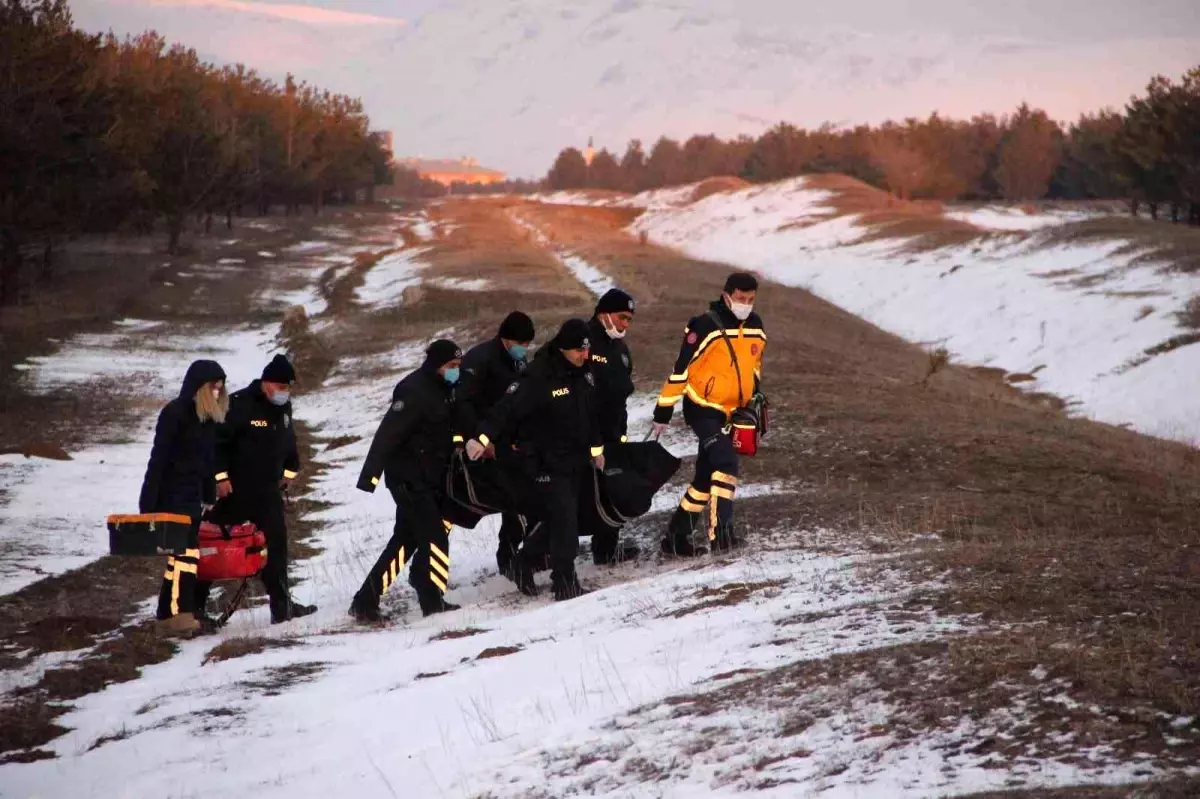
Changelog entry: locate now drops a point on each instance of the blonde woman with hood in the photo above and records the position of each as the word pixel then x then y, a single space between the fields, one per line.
pixel 179 479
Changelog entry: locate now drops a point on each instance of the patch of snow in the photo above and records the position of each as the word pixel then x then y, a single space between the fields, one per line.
pixel 461 284
pixel 265 254
pixel 384 283
pixel 231 261
pixel 595 280
pixel 307 246
pixel 1007 218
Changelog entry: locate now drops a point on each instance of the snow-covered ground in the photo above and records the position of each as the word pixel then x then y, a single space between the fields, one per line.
pixel 1078 319
pixel 384 284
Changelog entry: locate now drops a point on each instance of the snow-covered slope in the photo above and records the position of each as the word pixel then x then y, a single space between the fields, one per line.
pixel 511 82
pixel 1076 319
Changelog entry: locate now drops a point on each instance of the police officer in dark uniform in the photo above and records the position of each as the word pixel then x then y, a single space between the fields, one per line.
pixel 256 460
pixel 612 366
pixel 410 454
pixel 488 369
pixel 551 415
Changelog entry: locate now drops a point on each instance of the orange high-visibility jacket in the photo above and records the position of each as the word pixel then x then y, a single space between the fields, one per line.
pixel 704 371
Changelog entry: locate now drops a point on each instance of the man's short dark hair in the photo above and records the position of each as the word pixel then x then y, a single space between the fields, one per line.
pixel 741 281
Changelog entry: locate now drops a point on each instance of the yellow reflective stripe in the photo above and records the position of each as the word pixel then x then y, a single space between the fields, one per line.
pixel 695 397
pixel 400 556
pixel 386 584
pixel 449 525
pixel 725 478
pixel 175 591
pixel 624 439
pixel 393 569
pixel 596 451
pixel 484 440
pixel 437 581
pixel 190 568
pixel 681 378
pixel 439 568
pixel 442 556
pixel 458 439
pixel 696 495
pixel 169 573
pixel 374 481
pixel 722 493
pixel 712 522
pixel 222 476
pixel 689 506
pixel 289 474
pixel 191 553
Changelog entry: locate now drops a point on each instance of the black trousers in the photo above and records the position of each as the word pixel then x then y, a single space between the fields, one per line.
pixel 557 497
pixel 266 512
pixel 421 537
pixel 178 591
pixel 708 501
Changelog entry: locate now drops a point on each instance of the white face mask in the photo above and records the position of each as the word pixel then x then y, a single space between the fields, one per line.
pixel 612 332
pixel 741 310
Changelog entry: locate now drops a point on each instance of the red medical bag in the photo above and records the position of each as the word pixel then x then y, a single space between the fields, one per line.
pixel 230 552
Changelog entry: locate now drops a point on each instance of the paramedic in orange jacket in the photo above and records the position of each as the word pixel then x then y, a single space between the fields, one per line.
pixel 706 377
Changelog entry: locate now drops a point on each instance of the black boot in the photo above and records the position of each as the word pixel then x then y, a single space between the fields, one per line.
pixel 680 533
pixel 365 610
pixel 286 611
pixel 567 587
pixel 432 601
pixel 727 540
pixel 522 574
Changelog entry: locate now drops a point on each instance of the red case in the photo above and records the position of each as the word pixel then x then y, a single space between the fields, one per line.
pixel 242 553
pixel 745 439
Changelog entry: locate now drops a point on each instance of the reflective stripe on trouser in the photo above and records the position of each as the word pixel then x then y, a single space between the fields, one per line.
pixel 177 593
pixel 716 479
pixel 419 528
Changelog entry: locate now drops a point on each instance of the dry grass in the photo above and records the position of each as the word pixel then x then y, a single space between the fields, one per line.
pixel 727 596
pixel 249 645
pixel 463 632
pixel 498 652
pixel 721 185
pixel 1174 247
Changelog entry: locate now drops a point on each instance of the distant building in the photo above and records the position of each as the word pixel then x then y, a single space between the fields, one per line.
pixel 589 153
pixel 446 172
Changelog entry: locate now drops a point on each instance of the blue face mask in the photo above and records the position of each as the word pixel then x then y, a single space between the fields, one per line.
pixel 518 351
pixel 450 375
pixel 280 397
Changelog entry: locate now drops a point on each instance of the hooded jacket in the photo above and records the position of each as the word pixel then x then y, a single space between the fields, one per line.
pixel 550 413
pixel 179 476
pixel 256 444
pixel 416 437
pixel 612 366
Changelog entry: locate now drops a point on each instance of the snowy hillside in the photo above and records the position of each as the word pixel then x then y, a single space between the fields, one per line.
pixel 1073 320
pixel 545 74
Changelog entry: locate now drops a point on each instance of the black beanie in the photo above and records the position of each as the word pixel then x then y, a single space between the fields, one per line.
pixel 614 301
pixel 440 353
pixel 740 281
pixel 517 327
pixel 573 335
pixel 279 370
